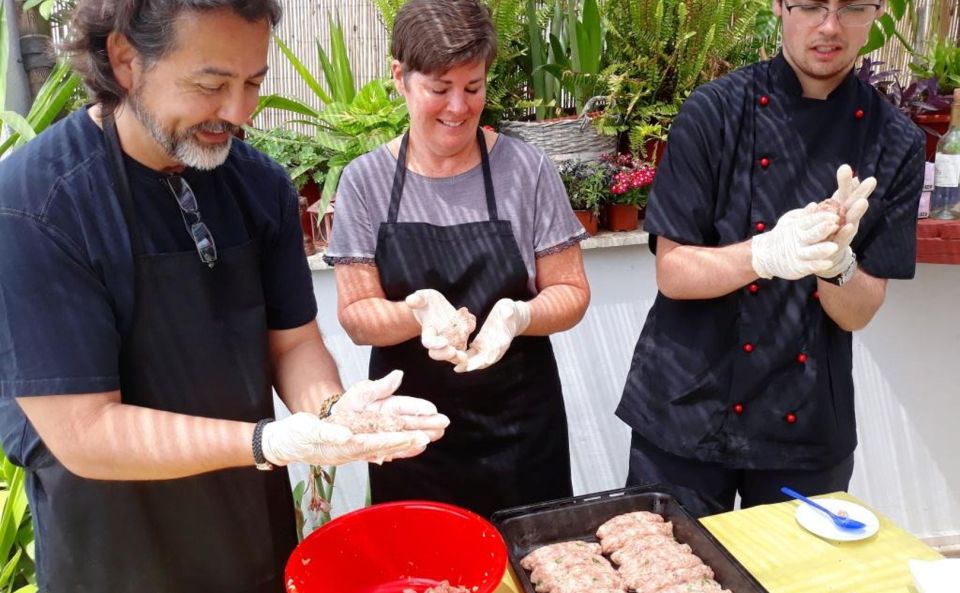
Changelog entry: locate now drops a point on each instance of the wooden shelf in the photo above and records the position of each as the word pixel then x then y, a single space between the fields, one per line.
pixel 938 241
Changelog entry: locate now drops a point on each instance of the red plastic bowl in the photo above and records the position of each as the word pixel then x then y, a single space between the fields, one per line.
pixel 389 547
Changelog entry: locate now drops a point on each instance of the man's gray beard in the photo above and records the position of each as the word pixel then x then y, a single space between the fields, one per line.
pixel 183 147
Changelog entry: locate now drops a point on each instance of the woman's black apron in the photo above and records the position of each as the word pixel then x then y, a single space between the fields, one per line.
pixel 507 440
pixel 197 345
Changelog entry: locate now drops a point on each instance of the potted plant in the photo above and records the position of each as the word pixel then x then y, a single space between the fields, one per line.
pixel 349 124
pixel 921 100
pixel 586 184
pixel 659 51
pixel 305 161
pixel 629 189
pixel 563 60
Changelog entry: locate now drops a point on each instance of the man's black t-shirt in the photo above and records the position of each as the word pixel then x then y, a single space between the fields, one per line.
pixel 66 263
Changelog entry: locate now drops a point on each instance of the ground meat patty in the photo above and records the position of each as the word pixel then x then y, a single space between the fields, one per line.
pixel 626 521
pixel 831 205
pixel 572 573
pixel 654 582
pixel 623 537
pixel 642 569
pixel 641 544
pixel 551 553
pixel 443 587
pixel 696 586
pixel 659 552
pixel 365 422
pixel 460 328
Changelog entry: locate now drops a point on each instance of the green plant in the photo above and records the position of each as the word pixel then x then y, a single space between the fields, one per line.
pixel 762 39
pixel 388 11
pixel 18 573
pixel 660 50
pixel 350 123
pixel 578 51
pixel 303 158
pixel 57 94
pixel 346 130
pixel 942 62
pixel 566 41
pixel 337 74
pixel 885 27
pixel 586 183
pixel 317 489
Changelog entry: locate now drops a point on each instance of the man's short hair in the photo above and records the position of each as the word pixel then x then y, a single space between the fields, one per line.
pixel 147 24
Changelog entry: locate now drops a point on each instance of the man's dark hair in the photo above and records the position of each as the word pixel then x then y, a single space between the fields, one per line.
pixel 148 25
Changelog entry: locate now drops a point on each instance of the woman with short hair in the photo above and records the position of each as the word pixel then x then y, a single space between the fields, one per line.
pixel 451 216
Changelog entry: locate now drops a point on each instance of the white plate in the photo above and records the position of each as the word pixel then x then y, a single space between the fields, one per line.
pixel 818 523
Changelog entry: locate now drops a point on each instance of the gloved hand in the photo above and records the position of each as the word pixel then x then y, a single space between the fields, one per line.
pixel 797 245
pixel 304 437
pixel 852 195
pixel 377 396
pixel 444 330
pixel 507 320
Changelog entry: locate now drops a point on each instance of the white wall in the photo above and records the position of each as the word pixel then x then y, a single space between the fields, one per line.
pixel 905 368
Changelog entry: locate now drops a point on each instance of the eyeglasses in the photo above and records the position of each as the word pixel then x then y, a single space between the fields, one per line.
pixel 201 235
pixel 851 15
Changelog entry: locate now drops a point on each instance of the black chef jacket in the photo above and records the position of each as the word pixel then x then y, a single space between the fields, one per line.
pixel 762 378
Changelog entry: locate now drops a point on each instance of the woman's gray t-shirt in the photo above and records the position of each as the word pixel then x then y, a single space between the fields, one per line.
pixel 528 190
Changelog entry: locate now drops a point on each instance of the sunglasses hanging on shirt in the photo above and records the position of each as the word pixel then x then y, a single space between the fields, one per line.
pixel 201 235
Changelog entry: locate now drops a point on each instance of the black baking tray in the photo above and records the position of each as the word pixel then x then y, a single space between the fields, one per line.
pixel 528 527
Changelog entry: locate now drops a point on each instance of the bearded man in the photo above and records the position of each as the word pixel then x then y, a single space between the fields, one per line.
pixel 153 291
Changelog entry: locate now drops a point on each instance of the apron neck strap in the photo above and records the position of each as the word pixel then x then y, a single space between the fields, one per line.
pixel 400 176
pixel 121 183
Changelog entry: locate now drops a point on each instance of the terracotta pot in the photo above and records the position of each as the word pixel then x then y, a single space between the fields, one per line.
pixel 311 191
pixel 622 217
pixel 306 227
pixel 655 150
pixel 589 221
pixel 934 125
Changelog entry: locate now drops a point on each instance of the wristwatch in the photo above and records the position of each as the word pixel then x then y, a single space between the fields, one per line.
pixel 844 276
pixel 259 460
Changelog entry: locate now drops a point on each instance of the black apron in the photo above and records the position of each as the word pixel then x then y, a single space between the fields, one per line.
pixel 507 440
pixel 197 345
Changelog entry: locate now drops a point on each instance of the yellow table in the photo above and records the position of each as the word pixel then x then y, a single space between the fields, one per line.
pixel 786 558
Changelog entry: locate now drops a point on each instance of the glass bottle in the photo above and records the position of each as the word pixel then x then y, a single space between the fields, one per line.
pixel 945 199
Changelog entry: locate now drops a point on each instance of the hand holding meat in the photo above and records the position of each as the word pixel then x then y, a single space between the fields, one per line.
pixel 850 202
pixel 444 329
pixel 304 437
pixel 797 246
pixel 507 320
pixel 366 400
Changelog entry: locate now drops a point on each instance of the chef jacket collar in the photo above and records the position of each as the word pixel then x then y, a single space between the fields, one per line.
pixel 786 80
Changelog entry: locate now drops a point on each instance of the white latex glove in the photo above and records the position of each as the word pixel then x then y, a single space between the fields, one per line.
pixel 304 437
pixel 852 195
pixel 377 396
pixel 507 320
pixel 436 317
pixel 796 247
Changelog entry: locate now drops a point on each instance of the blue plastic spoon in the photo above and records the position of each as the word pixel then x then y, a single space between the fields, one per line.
pixel 841 522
